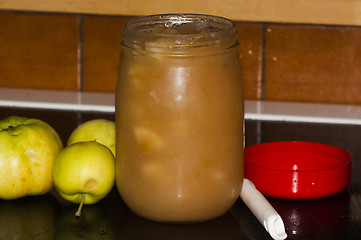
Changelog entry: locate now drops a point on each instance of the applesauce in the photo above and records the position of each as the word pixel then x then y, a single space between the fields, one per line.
pixel 179 117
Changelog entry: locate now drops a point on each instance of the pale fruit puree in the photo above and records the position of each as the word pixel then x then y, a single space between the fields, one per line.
pixel 179 126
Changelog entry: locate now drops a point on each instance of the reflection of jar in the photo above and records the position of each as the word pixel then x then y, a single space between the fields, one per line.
pixel 179 117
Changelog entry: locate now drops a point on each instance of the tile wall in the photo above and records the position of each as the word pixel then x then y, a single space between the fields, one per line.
pixel 282 62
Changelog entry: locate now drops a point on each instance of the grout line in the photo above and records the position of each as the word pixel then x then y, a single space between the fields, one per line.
pixel 263 62
pixel 254 110
pixel 304 119
pixel 58 106
pixel 80 54
pixel 57 100
pixel 260 69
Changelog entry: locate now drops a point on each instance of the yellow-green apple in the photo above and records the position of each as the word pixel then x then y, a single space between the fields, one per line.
pixel 84 172
pixel 99 130
pixel 28 148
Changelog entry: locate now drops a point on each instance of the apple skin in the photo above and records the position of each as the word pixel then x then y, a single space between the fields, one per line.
pixel 28 148
pixel 99 130
pixel 84 168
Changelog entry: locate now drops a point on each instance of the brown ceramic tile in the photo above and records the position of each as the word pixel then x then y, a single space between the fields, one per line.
pixel 38 51
pixel 250 37
pixel 101 52
pixel 313 64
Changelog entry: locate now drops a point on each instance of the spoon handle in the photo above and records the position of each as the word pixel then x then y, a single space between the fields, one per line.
pixel 263 210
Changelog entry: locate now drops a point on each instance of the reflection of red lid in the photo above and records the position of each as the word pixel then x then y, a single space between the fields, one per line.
pixel 297 170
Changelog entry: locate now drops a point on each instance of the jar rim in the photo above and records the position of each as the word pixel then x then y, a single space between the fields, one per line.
pixel 206 30
pixel 145 23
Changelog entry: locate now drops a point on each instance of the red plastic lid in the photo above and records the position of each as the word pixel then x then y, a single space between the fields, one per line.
pixel 297 170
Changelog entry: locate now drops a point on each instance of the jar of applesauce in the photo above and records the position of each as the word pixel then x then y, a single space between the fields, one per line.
pixel 179 117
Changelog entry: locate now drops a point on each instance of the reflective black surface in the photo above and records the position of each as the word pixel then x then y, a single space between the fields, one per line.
pixel 50 217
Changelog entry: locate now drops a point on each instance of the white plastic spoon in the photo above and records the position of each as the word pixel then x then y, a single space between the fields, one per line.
pixel 263 210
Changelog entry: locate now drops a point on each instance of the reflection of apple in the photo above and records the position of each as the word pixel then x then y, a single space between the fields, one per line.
pixel 28 148
pixel 92 224
pixel 84 172
pixel 99 130
pixel 27 218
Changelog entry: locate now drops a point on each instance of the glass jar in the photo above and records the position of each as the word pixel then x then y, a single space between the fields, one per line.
pixel 179 117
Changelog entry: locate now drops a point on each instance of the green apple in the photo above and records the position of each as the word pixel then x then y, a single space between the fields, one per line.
pixel 84 172
pixel 28 148
pixel 99 130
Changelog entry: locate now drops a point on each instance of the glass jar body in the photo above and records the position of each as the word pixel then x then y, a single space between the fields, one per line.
pixel 179 124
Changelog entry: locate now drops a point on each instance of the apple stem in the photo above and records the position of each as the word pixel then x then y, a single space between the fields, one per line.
pixel 77 214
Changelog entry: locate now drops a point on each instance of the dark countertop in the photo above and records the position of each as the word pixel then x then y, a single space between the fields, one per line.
pixel 336 217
